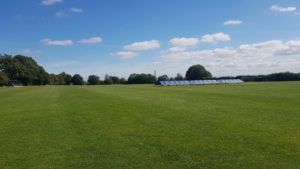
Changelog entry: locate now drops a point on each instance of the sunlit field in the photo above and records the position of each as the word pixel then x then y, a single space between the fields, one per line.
pixel 251 125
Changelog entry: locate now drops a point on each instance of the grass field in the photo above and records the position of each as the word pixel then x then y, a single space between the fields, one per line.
pixel 254 125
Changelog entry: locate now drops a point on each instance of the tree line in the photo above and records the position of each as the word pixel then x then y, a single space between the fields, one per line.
pixel 22 70
pixel 282 76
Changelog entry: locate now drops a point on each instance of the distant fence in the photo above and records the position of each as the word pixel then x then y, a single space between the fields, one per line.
pixel 199 82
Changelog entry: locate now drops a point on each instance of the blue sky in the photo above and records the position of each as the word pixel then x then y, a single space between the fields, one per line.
pixel 120 37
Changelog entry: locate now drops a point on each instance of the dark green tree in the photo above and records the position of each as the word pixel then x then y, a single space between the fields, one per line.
pixel 24 70
pixel 60 79
pixel 68 79
pixel 4 80
pixel 197 72
pixel 52 79
pixel 108 81
pixel 179 77
pixel 163 78
pixel 123 81
pixel 115 79
pixel 283 76
pixel 141 79
pixel 93 80
pixel 77 80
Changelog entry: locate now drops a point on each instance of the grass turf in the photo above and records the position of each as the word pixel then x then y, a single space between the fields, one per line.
pixel 253 125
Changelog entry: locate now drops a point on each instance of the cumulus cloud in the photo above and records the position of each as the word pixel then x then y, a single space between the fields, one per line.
pixel 177 57
pixel 233 22
pixel 127 54
pixel 263 49
pixel 184 41
pixel 50 42
pixel 274 53
pixel 177 49
pixel 145 45
pixel 51 2
pixel 278 8
pixel 93 40
pixel 76 10
pixel 215 38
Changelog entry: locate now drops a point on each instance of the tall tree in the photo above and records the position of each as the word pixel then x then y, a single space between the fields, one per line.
pixel 77 80
pixel 108 80
pixel 93 80
pixel 3 79
pixel 24 70
pixel 141 79
pixel 197 72
pixel 60 79
pixel 68 79
pixel 123 81
pixel 53 79
pixel 115 79
pixel 163 78
pixel 179 77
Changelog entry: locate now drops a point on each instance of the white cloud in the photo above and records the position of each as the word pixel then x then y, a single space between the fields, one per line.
pixel 145 45
pixel 184 41
pixel 51 2
pixel 233 22
pixel 215 38
pixel 264 57
pixel 257 58
pixel 50 42
pixel 93 40
pixel 177 49
pixel 278 8
pixel 76 10
pixel 127 54
pixel 177 57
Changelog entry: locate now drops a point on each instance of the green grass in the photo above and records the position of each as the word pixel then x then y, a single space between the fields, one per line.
pixel 253 125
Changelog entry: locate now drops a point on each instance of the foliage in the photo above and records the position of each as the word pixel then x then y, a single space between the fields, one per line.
pixel 93 80
pixel 197 72
pixel 123 81
pixel 115 79
pixel 23 69
pixel 108 81
pixel 163 78
pixel 4 80
pixel 68 79
pixel 77 80
pixel 141 79
pixel 283 76
pixel 179 77
pixel 60 79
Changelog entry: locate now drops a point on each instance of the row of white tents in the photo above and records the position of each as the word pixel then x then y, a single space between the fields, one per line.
pixel 200 82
